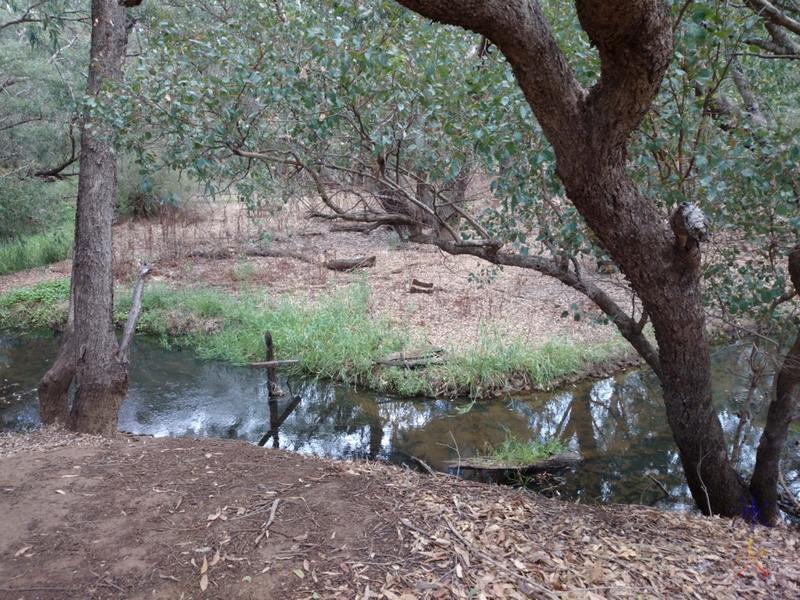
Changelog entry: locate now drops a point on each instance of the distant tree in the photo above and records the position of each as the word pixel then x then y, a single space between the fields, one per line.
pixel 41 61
pixel 90 354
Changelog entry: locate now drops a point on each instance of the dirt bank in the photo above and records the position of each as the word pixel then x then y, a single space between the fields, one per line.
pixel 166 518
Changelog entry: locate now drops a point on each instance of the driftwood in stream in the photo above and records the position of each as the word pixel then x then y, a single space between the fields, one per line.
pixel 270 364
pixel 414 358
pixel 483 463
pixel 348 264
pixel 272 380
pixel 274 363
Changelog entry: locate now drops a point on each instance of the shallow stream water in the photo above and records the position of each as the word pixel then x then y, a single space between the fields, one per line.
pixel 617 423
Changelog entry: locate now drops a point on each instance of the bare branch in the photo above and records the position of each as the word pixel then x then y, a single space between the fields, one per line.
pixel 770 56
pixel 746 92
pixel 774 14
pixel 23 122
pixel 9 81
pixel 26 16
pixel 133 316
pixel 628 328
pixel 57 171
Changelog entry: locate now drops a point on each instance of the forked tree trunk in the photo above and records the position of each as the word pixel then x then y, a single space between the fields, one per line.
pixel 589 131
pixel 89 353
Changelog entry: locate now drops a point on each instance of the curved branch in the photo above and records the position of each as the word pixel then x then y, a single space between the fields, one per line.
pixel 9 81
pixel 57 171
pixel 628 327
pixel 521 32
pixel 774 14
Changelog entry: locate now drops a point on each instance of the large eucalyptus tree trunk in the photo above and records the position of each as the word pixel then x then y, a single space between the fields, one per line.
pixel 589 129
pixel 89 354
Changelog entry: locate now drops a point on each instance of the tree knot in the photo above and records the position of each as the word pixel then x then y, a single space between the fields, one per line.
pixel 690 226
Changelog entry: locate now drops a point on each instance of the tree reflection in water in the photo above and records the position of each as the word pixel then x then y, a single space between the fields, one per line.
pixel 617 424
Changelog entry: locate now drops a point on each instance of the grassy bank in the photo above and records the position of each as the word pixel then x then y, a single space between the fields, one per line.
pixel 337 337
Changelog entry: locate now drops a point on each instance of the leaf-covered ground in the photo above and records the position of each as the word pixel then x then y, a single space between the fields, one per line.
pixel 138 517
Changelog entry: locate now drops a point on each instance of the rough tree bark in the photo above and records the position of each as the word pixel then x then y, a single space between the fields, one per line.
pixel 589 129
pixel 89 354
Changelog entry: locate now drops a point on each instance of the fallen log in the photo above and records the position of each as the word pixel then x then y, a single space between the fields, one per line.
pixel 355 227
pixel 415 354
pixel 270 252
pixel 412 363
pixel 348 264
pixel 217 252
pixel 484 463
pixel 413 358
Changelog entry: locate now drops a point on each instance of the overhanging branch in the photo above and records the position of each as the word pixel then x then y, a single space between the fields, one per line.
pixel 773 13
pixel 628 328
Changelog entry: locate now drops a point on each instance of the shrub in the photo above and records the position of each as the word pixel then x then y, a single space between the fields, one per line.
pixel 31 206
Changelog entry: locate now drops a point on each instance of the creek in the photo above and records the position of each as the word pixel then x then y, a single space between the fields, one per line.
pixel 617 423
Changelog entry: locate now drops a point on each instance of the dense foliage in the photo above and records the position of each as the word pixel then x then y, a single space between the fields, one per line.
pixel 280 99
pixel 43 52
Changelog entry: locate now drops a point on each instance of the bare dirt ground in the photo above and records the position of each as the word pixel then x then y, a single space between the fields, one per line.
pixel 136 517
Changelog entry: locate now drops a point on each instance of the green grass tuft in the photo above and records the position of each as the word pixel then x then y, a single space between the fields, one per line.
pixel 41 306
pixel 496 366
pixel 514 452
pixel 336 337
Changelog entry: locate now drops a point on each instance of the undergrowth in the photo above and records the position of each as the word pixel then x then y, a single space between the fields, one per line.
pixel 497 366
pixel 336 337
pixel 44 305
pixel 36 250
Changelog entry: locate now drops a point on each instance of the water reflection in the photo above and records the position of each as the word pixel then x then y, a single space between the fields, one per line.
pixel 617 424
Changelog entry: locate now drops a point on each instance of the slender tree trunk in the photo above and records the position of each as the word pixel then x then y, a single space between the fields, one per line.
pixel 89 353
pixel 764 483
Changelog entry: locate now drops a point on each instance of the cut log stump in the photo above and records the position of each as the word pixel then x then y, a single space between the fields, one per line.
pixel 420 287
